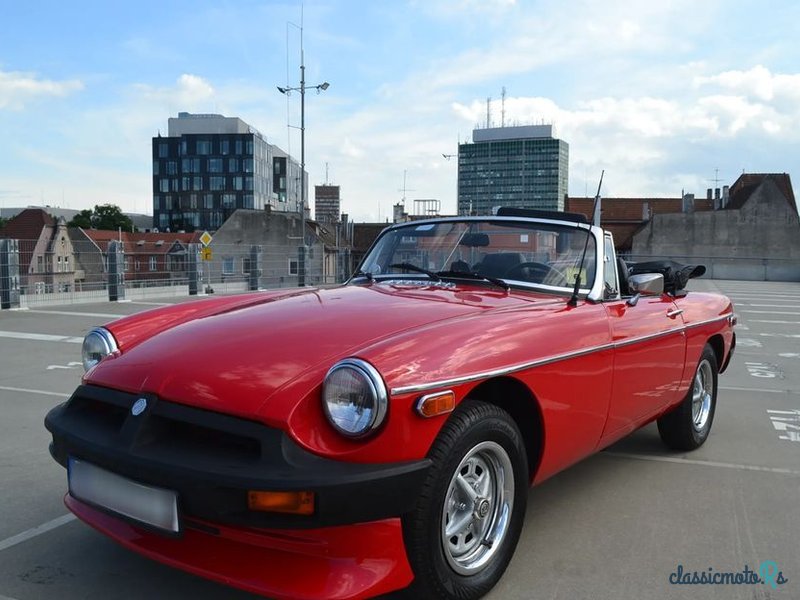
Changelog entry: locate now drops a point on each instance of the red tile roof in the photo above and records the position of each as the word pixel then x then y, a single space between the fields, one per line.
pixel 27 225
pixel 139 242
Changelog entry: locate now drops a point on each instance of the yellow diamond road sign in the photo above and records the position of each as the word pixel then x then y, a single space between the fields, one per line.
pixel 205 238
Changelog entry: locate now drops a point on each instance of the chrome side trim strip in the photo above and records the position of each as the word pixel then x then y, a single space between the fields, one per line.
pixel 499 372
pixel 548 360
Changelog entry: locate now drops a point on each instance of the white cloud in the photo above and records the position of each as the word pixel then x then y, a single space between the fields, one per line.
pixel 17 88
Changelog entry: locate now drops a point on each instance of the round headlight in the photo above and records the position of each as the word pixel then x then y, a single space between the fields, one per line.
pixel 354 397
pixel 97 344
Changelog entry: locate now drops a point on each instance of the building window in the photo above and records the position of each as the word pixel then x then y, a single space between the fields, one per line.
pixel 216 219
pixel 208 200
pixel 163 150
pixel 216 183
pixel 247 165
pixel 248 201
pixel 228 267
pixel 156 202
pixel 172 168
pixel 224 147
pixel 197 183
pixel 238 147
pixel 163 223
pixel 174 184
pixel 294 266
pixel 249 149
pixel 192 200
pixel 233 165
pixel 163 185
pixel 168 202
pixel 152 263
pixel 182 149
pixel 155 167
pixel 248 184
pixel 204 146
pixel 245 266
pixel 238 183
pixel 125 268
pixel 185 182
pixel 215 165
pixel 137 263
pixel 228 200
pixel 66 263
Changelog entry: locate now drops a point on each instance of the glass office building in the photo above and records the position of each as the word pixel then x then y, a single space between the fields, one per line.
pixel 523 167
pixel 210 165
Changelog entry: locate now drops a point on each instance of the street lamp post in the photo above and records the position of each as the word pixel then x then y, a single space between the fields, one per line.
pixel 302 89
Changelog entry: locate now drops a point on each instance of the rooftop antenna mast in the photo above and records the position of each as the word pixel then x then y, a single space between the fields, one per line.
pixel 404 189
pixel 488 112
pixel 716 179
pixel 503 108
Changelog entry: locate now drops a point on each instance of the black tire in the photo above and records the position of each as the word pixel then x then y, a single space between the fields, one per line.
pixel 479 441
pixel 688 425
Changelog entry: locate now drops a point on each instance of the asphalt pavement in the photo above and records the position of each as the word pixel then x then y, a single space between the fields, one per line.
pixel 617 525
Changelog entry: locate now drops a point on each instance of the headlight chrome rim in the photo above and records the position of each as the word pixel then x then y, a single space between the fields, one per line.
pixel 377 387
pixel 109 346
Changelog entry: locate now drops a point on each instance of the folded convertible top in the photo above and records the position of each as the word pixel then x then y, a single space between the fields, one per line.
pixel 676 275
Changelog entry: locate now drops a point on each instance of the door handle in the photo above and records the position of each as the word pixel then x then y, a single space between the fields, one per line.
pixel 674 313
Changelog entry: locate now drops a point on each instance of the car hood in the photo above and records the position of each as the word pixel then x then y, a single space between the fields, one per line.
pixel 234 360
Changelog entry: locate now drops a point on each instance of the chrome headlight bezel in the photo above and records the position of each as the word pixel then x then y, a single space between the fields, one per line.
pixel 98 341
pixel 377 396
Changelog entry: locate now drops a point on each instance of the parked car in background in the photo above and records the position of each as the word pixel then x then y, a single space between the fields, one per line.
pixel 351 441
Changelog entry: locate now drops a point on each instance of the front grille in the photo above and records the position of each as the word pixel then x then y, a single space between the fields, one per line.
pixel 166 431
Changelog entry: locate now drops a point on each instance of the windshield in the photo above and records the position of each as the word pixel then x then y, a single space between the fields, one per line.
pixel 518 252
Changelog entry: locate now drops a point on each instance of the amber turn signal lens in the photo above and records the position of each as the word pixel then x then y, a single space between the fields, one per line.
pixel 436 404
pixel 298 503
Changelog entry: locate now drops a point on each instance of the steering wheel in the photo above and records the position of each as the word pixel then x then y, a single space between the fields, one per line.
pixel 540 272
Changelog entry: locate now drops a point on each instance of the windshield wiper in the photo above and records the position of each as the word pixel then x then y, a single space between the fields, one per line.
pixel 416 269
pixel 365 274
pixel 477 276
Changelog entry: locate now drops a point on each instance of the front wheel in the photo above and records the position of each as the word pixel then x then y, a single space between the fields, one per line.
pixel 467 521
pixel 688 425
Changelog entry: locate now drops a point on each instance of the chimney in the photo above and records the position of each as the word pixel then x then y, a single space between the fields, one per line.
pixel 726 195
pixel 708 194
pixel 645 211
pixel 716 193
pixel 688 203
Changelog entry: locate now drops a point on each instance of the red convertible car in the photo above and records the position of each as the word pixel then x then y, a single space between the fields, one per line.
pixel 380 435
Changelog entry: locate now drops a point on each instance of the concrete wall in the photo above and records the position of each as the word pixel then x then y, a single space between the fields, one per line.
pixel 761 241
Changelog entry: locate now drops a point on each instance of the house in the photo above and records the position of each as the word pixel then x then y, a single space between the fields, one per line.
pixel 46 261
pixel 150 258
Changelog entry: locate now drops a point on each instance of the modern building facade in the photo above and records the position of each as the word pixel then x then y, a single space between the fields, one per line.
pixel 521 166
pixel 327 203
pixel 210 165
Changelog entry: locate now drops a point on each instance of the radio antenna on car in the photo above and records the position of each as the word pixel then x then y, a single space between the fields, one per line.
pixel 573 300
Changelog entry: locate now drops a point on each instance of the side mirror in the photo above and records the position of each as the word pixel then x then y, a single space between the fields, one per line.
pixel 647 284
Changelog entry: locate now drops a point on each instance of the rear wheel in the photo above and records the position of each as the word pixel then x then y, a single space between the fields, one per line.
pixel 688 425
pixel 467 521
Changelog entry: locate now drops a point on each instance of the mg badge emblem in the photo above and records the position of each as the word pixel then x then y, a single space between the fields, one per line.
pixel 138 407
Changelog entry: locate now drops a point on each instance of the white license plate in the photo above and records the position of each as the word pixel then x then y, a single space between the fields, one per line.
pixel 152 506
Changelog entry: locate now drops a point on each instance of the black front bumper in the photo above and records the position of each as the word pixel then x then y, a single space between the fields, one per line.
pixel 212 460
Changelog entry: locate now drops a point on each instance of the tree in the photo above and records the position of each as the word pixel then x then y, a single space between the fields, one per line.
pixel 103 216
pixel 3 222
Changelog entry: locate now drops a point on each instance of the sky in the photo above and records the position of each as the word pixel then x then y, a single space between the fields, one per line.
pixel 664 96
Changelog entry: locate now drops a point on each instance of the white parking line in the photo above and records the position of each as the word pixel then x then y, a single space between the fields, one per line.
pixel 36 531
pixel 40 337
pixel 27 391
pixel 767 306
pixel 754 390
pixel 774 322
pixel 78 314
pixel 703 463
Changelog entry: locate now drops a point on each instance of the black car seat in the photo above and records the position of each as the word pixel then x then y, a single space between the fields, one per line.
pixel 622 268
